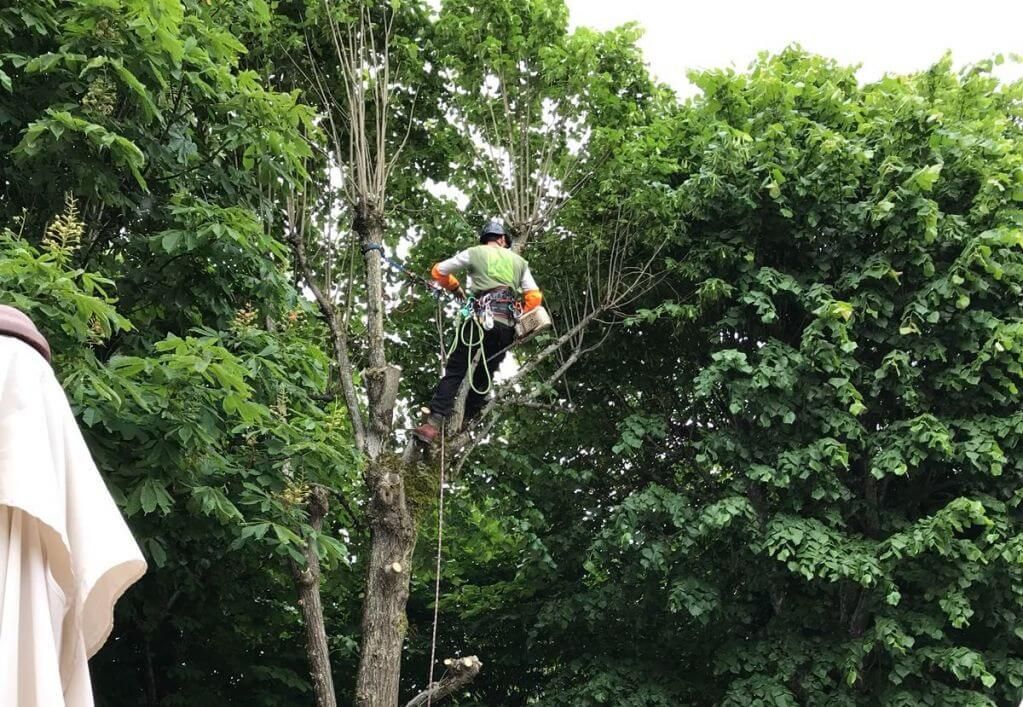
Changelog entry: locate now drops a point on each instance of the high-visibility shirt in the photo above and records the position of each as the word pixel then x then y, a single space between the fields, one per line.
pixel 490 267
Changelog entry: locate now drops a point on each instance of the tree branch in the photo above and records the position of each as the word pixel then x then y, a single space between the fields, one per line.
pixel 461 671
pixel 339 335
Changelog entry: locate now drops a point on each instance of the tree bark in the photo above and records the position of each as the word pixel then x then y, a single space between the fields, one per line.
pixel 392 529
pixel 381 378
pixel 151 696
pixel 392 541
pixel 307 579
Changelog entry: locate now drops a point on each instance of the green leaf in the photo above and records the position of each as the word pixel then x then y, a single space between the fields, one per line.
pixel 147 497
pixel 925 178
pixel 157 552
pixel 170 241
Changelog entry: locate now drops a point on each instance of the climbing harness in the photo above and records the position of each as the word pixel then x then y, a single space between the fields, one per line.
pixel 475 318
pixel 502 302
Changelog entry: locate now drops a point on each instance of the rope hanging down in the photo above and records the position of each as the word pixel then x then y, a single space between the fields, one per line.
pixel 469 320
pixel 436 585
pixel 439 320
pixel 471 323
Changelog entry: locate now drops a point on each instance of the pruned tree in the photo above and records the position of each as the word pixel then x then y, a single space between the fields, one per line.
pixel 519 118
pixel 532 104
pixel 361 89
pixel 364 149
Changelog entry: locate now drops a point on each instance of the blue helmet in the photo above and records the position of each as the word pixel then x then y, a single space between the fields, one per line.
pixel 492 230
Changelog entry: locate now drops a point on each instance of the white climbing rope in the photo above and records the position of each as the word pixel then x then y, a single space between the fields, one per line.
pixel 436 585
pixel 440 519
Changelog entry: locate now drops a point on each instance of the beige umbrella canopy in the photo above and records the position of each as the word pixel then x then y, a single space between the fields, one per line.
pixel 66 554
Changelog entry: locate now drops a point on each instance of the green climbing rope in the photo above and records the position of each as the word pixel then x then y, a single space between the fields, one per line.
pixel 468 322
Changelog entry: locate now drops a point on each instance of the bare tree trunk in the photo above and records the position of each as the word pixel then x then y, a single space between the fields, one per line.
pixel 392 541
pixel 381 378
pixel 392 529
pixel 307 579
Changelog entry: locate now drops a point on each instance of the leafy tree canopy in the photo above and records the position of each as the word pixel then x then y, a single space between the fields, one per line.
pixel 790 477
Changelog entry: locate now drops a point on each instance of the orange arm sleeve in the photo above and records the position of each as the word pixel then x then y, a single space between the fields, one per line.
pixel 532 298
pixel 448 282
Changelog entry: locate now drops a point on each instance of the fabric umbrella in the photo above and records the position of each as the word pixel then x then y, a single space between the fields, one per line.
pixel 66 554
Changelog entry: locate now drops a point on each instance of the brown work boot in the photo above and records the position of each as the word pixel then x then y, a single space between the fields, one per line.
pixel 429 430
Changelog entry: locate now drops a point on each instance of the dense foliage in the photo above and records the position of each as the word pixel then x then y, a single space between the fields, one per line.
pixel 136 157
pixel 792 476
pixel 813 493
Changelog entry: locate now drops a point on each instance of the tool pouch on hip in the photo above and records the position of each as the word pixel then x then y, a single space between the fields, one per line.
pixel 532 323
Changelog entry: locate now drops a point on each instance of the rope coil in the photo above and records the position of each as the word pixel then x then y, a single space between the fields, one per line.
pixel 473 326
pixel 473 314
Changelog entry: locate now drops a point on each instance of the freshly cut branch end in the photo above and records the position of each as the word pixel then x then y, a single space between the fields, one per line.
pixel 460 672
pixel 462 663
pixel 394 568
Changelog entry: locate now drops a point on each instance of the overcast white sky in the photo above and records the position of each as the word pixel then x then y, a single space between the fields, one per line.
pixel 885 36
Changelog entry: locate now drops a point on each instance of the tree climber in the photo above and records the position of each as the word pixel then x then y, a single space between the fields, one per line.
pixel 497 278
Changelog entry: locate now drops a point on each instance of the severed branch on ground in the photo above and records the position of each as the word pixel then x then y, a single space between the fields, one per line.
pixel 460 672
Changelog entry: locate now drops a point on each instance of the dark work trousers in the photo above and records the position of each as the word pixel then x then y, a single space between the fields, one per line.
pixel 496 343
